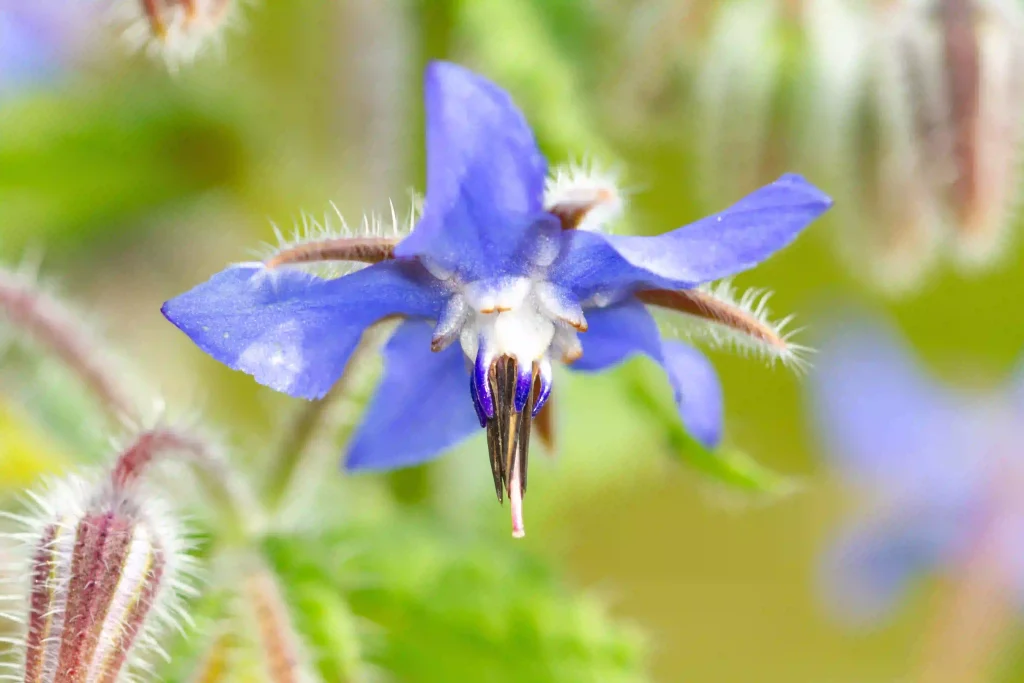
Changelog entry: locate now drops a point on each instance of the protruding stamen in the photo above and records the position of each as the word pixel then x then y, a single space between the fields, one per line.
pixel 358 249
pixel 481 370
pixel 515 500
pixel 560 305
pixel 518 455
pixel 449 325
pixel 508 432
pixel 501 425
pixel 545 377
pixel 524 386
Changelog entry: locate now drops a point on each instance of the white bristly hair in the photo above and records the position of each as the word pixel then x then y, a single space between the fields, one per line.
pixel 186 34
pixel 595 190
pixel 760 337
pixel 312 233
pixel 55 512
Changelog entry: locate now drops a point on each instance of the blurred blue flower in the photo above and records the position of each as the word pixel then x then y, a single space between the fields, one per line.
pixel 37 39
pixel 512 270
pixel 942 470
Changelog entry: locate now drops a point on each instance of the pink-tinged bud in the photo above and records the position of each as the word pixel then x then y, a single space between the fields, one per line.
pixel 985 72
pixel 106 561
pixel 964 76
pixel 175 30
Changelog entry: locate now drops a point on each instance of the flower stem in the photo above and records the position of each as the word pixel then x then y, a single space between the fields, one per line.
pixel 973 619
pixel 55 327
pixel 228 493
pixel 288 458
pixel 278 641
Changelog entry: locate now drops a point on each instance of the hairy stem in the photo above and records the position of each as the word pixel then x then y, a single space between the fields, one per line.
pixel 228 492
pixel 276 634
pixel 288 458
pixel 701 304
pixel 54 326
pixel 358 249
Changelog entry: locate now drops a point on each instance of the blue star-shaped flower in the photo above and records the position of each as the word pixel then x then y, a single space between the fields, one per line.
pixel 501 276
pixel 942 470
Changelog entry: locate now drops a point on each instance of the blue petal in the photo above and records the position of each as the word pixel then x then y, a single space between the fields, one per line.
pixel 619 331
pixel 34 40
pixel 887 423
pixel 422 407
pixel 724 244
pixel 872 564
pixel 485 178
pixel 291 331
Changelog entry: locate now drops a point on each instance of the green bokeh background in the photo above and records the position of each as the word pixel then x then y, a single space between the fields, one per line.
pixel 137 184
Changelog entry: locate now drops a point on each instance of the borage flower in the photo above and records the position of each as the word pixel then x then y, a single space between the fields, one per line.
pixel 941 469
pixel 498 280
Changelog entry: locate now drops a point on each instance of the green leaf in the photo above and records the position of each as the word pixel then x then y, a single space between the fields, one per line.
pixel 457 607
pixel 331 630
pixel 77 166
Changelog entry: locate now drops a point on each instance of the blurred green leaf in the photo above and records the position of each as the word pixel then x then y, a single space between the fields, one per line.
pixel 77 166
pixel 331 631
pixel 25 453
pixel 515 48
pixel 457 607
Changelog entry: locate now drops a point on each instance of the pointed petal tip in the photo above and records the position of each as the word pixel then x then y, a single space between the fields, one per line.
pixel 814 194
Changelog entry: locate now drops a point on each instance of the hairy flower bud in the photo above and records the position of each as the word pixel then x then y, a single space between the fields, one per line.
pixel 104 569
pixel 175 30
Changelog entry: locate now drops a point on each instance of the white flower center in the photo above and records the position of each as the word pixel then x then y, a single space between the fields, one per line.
pixel 510 320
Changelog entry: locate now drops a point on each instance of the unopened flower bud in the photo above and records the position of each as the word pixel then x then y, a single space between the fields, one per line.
pixel 104 569
pixel 174 30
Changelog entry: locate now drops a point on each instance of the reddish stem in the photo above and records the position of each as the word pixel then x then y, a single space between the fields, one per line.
pixel 55 327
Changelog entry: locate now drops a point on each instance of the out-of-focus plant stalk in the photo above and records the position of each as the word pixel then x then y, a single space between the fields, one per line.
pixel 216 664
pixel 54 326
pixel 372 80
pixel 275 633
pixel 296 446
pixel 61 333
pixel 976 612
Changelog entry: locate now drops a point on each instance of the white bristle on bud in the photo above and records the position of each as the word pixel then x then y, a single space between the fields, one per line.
pixel 175 31
pixel 586 190
pixel 103 570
